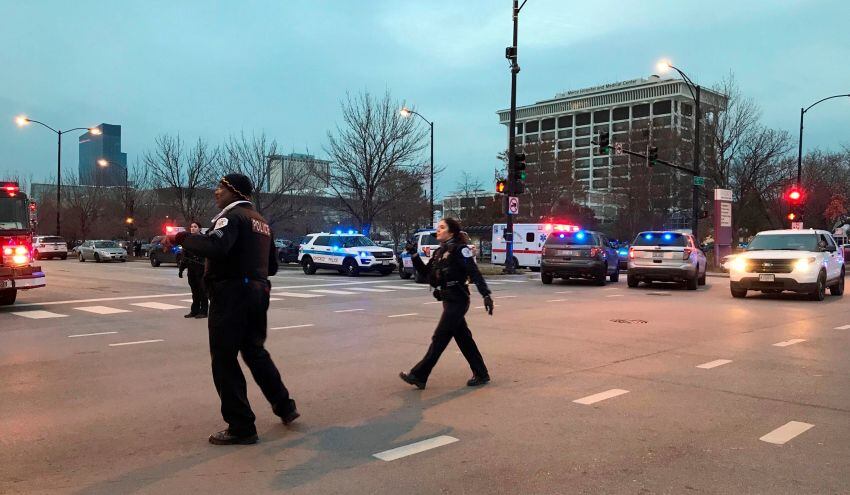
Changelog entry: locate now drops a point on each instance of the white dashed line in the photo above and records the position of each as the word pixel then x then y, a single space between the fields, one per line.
pixel 402 287
pixel 156 305
pixel 348 310
pixel 137 342
pixel 275 299
pixel 332 291
pixel 786 432
pixel 514 281
pixel 102 310
pixel 843 327
pixel 405 314
pixel 611 288
pixel 293 326
pixel 615 295
pixel 415 448
pixel 504 297
pixel 495 283
pixel 564 292
pixel 714 364
pixel 786 343
pixel 592 399
pixel 557 300
pixel 369 289
pixel 38 315
pixel 296 294
pixel 434 302
pixel 90 334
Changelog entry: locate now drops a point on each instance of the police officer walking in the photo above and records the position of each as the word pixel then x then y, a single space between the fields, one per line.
pixel 194 264
pixel 447 271
pixel 240 256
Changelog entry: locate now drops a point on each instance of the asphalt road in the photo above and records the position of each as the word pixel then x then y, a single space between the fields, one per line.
pixel 106 389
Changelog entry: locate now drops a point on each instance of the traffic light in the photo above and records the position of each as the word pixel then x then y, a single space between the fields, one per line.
pixel 794 196
pixel 604 141
pixel 652 155
pixel 501 186
pixel 792 216
pixel 519 173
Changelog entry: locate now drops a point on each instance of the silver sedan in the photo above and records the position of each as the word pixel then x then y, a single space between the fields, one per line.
pixel 101 251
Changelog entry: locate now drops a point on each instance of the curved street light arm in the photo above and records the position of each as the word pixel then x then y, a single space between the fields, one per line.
pixel 827 98
pixel 687 79
pixel 43 124
pixel 77 129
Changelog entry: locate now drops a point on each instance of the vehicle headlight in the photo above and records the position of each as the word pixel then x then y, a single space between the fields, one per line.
pixel 803 264
pixel 739 265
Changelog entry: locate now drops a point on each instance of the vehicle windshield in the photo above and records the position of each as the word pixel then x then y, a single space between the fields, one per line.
pixel 790 242
pixel 662 239
pixel 105 244
pixel 579 238
pixel 52 238
pixel 429 240
pixel 13 213
pixel 352 241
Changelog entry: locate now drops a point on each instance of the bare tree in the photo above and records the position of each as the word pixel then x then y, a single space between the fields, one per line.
pixel 183 173
pixel 85 204
pixel 409 211
pixel 468 185
pixel 372 144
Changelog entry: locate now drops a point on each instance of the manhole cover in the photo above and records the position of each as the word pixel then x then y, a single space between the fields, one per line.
pixel 630 322
pixel 657 293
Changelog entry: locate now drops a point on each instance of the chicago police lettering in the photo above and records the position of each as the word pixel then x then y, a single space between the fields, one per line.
pixel 260 227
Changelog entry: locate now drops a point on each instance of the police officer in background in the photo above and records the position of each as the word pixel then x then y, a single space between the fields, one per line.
pixel 447 271
pixel 194 264
pixel 240 256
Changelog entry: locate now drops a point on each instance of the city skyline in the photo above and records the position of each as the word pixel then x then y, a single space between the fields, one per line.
pixel 225 72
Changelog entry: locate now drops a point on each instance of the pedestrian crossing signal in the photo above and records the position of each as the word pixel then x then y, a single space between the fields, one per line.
pixel 501 186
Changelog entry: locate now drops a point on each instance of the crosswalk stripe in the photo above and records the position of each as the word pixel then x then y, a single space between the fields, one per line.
pixel 90 334
pixel 402 287
pixel 296 294
pixel 608 394
pixel 38 314
pixel 102 310
pixel 157 305
pixel 293 326
pixel 714 364
pixel 405 314
pixel 369 289
pixel 843 327
pixel 786 343
pixel 349 310
pixel 136 342
pixel 786 432
pixel 415 448
pixel 331 291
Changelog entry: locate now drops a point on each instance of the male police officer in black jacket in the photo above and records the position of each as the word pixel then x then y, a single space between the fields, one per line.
pixel 240 256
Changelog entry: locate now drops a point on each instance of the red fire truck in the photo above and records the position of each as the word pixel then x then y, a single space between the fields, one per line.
pixel 17 271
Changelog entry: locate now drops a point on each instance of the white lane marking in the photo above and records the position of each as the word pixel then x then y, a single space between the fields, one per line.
pixel 495 283
pixel 156 305
pixel 38 315
pixel 615 295
pixel 415 448
pixel 843 327
pixel 187 300
pixel 514 281
pixel 714 364
pixel 275 299
pixel 405 314
pixel 293 326
pixel 611 288
pixel 90 334
pixel 402 287
pixel 434 302
pixel 786 432
pixel 504 297
pixel 591 399
pixel 297 294
pixel 332 291
pixel 102 310
pixel 369 289
pixel 348 310
pixel 137 342
pixel 786 343
pixel 557 300
pixel 564 292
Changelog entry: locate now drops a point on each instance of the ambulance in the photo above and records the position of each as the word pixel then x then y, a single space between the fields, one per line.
pixel 528 244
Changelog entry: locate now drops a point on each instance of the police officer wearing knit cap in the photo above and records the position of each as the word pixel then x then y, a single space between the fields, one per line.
pixel 240 256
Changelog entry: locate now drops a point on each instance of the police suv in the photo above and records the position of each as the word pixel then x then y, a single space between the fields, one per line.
pixel 422 239
pixel 349 253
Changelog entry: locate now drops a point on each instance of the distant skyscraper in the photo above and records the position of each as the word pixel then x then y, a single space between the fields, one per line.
pixel 298 173
pixel 106 146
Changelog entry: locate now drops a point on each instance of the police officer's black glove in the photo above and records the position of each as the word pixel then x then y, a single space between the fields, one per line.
pixel 438 295
pixel 410 248
pixel 488 304
pixel 179 273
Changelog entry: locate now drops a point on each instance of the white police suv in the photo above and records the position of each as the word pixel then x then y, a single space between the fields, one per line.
pixel 426 243
pixel 802 261
pixel 349 253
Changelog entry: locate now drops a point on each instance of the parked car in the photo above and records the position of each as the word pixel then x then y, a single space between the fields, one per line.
pixel 666 257
pixel 158 253
pixel 287 251
pixel 101 250
pixel 577 253
pixel 49 246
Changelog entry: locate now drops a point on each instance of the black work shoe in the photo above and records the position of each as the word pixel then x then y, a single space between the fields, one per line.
pixel 412 380
pixel 477 381
pixel 201 315
pixel 224 437
pixel 190 315
pixel 290 417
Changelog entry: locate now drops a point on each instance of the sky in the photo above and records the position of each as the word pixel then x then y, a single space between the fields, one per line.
pixel 209 69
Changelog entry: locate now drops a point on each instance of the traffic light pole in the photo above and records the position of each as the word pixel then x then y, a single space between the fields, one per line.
pixel 509 228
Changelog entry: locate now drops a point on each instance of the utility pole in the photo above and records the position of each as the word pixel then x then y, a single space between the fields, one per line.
pixel 697 152
pixel 511 54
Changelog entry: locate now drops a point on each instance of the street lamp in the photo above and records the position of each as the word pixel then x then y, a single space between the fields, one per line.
pixel 800 141
pixel 23 120
pixel 406 112
pixel 663 66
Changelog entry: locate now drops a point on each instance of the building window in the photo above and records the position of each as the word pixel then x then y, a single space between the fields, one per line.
pixel 661 107
pixel 519 128
pixel 601 128
pixel 600 173
pixel 582 174
pixel 687 109
pixel 620 126
pixel 582 142
pixel 582 131
pixel 582 153
pixel 583 164
pixel 583 119
pixel 548 124
pixel 548 136
pixel 567 133
pixel 565 144
pixel 565 121
pixel 600 184
pixel 661 122
pixel 621 113
pixel 531 138
pixel 601 116
pixel 531 126
pixel 600 162
pixel 640 111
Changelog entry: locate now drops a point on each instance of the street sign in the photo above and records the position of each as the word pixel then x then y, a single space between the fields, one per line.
pixel 513 205
pixel 618 148
pixel 699 181
pixel 796 225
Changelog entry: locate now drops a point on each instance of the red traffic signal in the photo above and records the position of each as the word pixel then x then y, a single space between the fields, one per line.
pixel 501 186
pixel 792 216
pixel 794 195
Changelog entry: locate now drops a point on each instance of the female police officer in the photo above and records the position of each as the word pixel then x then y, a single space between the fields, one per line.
pixel 447 271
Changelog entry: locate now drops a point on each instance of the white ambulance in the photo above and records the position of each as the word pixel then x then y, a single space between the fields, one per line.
pixel 528 244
